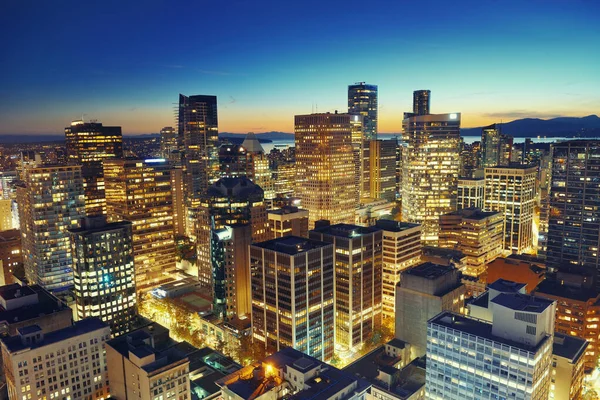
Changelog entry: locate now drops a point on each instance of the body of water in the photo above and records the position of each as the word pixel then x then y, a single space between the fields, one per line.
pixel 282 144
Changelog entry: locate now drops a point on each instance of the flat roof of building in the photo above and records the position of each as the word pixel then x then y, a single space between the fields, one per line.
pixel 291 245
pixel 522 302
pixel 569 347
pixel 287 210
pixel 10 235
pixel 474 213
pixel 479 328
pixel 14 291
pixel 346 230
pixel 100 228
pixel 47 303
pixel 506 286
pixel 14 343
pixel 429 270
pixel 442 252
pixel 394 226
pixel 556 289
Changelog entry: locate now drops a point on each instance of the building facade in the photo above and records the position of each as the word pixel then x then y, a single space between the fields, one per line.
pixel 401 250
pixel 51 201
pixel 104 273
pixel 140 191
pixel 477 234
pixel 511 192
pixel 574 217
pixel 69 362
pixel 358 281
pixel 325 171
pixel 362 100
pixel 421 102
pixel 470 193
pixel 430 169
pixel 89 144
pixel 293 295
pixel 286 221
pixel 382 155
pixel 10 254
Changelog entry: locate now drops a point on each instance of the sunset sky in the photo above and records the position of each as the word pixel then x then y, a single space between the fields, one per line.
pixel 124 62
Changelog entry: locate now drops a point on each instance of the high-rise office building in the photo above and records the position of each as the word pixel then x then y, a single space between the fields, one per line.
pixel 103 272
pixel 382 160
pixel 358 280
pixel 470 193
pixel 68 363
pixel 401 250
pixel 421 102
pixel 574 220
pixel 287 221
pixel 285 179
pixel 178 189
pixel 89 144
pixel 362 100
pixel 430 168
pixel 140 191
pixel 51 201
pixel 325 171
pixel 511 191
pixel 169 144
pixel 478 234
pixel 198 131
pixel 6 218
pixel 509 357
pixel 230 271
pixel 227 202
pixel 292 295
pixel 11 254
pixel 425 290
pixel 496 147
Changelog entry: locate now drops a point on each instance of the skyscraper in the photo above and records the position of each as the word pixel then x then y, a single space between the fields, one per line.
pixel 362 100
pixel 401 250
pixel 382 169
pixel 140 191
pixel 470 193
pixel 51 201
pixel 169 144
pixel 574 222
pixel 287 221
pixel 430 169
pixel 103 272
pixel 358 270
pixel 496 147
pixel 292 295
pixel 88 144
pixel 511 191
pixel 325 172
pixel 198 131
pixel 227 202
pixel 421 101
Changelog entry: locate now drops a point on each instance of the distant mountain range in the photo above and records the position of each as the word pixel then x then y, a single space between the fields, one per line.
pixel 585 127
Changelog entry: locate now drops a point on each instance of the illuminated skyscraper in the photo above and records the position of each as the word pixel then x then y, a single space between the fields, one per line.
pixel 511 191
pixel 574 222
pixel 227 202
pixel 382 160
pixel 325 172
pixel 51 201
pixel 496 147
pixel 103 272
pixel 199 136
pixel 430 168
pixel 358 281
pixel 421 101
pixel 362 100
pixel 292 295
pixel 88 144
pixel 140 191
pixel 169 144
pixel 470 193
pixel 287 221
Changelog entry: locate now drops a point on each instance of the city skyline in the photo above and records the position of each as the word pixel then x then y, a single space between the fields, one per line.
pixel 500 62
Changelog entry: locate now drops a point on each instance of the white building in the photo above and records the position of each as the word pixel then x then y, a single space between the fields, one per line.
pixel 509 358
pixel 69 363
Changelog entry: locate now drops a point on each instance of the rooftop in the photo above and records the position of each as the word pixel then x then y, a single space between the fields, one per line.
pixel 478 328
pixel 287 210
pixel 14 343
pixel 89 230
pixel 291 245
pixel 569 347
pixel 522 302
pixel 47 304
pixel 10 235
pixel 506 286
pixel 556 289
pixel 429 270
pixel 14 291
pixel 346 230
pixel 394 226
pixel 473 213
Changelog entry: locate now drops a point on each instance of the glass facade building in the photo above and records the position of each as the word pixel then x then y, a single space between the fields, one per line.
pixel 88 144
pixel 430 168
pixel 362 100
pixel 421 102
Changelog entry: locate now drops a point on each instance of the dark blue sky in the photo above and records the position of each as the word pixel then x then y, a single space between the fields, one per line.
pixel 124 62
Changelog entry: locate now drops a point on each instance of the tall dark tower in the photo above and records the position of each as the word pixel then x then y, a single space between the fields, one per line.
pixel 198 131
pixel 362 100
pixel 421 100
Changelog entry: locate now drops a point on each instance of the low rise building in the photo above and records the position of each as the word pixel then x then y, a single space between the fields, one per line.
pixel 287 221
pixel 567 367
